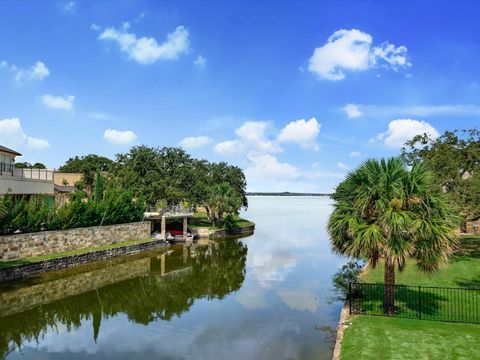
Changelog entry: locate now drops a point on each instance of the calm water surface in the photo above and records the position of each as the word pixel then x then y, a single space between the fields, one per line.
pixel 266 296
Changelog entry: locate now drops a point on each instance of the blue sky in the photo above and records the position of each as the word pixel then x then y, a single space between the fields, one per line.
pixel 296 93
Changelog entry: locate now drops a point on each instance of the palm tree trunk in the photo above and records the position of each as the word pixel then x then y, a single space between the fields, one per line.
pixel 389 284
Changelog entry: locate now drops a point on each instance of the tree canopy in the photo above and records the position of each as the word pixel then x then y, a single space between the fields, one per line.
pixel 26 165
pixel 172 175
pixel 88 166
pixel 454 158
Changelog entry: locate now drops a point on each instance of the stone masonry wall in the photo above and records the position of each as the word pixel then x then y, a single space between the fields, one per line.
pixel 19 246
pixel 473 227
pixel 26 270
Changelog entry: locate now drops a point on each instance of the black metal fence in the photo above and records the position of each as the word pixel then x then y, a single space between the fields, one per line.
pixel 417 302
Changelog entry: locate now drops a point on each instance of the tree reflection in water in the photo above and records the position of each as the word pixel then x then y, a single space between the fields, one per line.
pixel 169 287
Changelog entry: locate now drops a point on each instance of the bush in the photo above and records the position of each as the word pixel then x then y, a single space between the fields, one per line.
pixel 347 274
pixel 34 214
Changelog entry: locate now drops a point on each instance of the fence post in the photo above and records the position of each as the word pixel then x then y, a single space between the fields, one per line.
pixel 350 298
pixel 419 303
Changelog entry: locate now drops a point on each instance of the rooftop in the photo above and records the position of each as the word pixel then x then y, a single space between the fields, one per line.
pixel 10 151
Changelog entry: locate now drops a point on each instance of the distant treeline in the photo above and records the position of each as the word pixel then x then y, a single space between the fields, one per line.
pixel 286 193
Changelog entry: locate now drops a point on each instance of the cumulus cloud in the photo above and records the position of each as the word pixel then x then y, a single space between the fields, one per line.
pixel 194 142
pixel 146 50
pixel 355 154
pixel 39 71
pixel 12 135
pixel 117 137
pixel 301 132
pixel 351 50
pixel 352 111
pixel 229 147
pixel 251 137
pixel 266 166
pixel 342 166
pixel 401 130
pixel 37 144
pixel 200 62
pixel 58 102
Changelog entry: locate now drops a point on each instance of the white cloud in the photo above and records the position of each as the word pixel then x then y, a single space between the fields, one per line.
pixel 352 111
pixel 301 132
pixel 200 62
pixel 37 144
pixel 342 166
pixel 251 137
pixel 351 50
pixel 229 147
pixel 324 175
pixel 193 142
pixel 12 135
pixel 117 137
pixel 267 166
pixel 69 7
pixel 396 57
pixel 355 154
pixel 58 102
pixel 401 130
pixel 39 71
pixel 146 50
pixel 3 64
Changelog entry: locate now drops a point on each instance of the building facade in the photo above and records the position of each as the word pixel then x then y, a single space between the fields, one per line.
pixel 16 181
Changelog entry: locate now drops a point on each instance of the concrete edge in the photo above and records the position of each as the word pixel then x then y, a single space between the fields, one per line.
pixel 218 234
pixel 343 324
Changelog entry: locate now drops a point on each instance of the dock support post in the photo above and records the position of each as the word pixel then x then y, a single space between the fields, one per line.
pixel 164 228
pixel 185 227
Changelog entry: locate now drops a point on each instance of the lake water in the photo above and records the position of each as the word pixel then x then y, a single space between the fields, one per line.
pixel 267 296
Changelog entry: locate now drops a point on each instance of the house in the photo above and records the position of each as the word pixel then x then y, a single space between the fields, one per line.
pixel 16 181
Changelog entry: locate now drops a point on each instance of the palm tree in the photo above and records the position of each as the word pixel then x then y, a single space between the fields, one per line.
pixel 387 212
pixel 223 199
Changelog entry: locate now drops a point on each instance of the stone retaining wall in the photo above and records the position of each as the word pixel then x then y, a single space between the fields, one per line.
pixel 206 233
pixel 20 246
pixel 25 270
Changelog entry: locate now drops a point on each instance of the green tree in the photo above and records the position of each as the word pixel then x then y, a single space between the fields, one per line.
pixel 385 212
pixel 454 158
pixel 26 165
pixel 88 166
pixel 223 199
pixel 99 187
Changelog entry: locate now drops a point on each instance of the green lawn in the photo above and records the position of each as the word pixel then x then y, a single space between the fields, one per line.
pixel 462 271
pixel 376 337
pixel 200 219
pixel 73 252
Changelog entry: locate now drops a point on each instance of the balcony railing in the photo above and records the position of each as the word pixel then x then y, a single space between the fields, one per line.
pixel 31 174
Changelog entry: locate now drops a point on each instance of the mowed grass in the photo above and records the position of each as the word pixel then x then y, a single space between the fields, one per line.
pixel 463 270
pixel 200 219
pixel 378 337
pixel 5 264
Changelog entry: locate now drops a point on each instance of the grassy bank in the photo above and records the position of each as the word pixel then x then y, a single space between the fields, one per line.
pixel 5 264
pixel 200 219
pixel 376 337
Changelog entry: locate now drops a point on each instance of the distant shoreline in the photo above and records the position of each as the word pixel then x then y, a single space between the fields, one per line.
pixel 286 194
